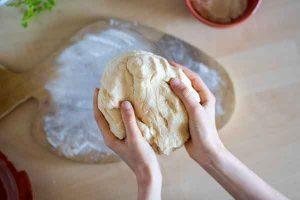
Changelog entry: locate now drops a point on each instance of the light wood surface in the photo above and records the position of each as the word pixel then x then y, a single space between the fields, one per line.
pixel 19 87
pixel 262 57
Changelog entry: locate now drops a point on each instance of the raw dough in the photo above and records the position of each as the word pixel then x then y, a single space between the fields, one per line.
pixel 222 11
pixel 143 79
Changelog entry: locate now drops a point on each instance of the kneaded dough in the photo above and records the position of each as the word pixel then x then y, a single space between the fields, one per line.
pixel 143 79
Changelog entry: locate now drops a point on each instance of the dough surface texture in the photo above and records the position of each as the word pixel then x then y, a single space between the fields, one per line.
pixel 143 79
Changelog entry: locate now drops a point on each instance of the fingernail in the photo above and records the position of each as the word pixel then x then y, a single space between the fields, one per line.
pixel 126 105
pixel 175 82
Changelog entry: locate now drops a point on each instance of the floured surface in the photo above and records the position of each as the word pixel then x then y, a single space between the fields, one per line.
pixel 275 136
pixel 143 79
pixel 70 127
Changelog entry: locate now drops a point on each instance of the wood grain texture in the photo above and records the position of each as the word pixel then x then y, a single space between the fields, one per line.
pixel 16 88
pixel 261 55
pixel 35 83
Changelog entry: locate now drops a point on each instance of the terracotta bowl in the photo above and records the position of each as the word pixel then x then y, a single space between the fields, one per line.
pixel 250 10
pixel 14 184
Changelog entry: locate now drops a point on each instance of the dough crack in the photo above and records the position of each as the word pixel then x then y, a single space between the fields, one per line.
pixel 152 76
pixel 131 80
pixel 164 64
pixel 165 120
pixel 171 105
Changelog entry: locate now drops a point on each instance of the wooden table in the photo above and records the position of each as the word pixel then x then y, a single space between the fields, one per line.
pixel 262 56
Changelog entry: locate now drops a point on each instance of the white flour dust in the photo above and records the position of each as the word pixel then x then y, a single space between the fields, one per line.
pixel 176 50
pixel 71 127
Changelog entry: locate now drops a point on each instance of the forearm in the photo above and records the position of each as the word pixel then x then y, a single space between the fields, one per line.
pixel 151 191
pixel 149 185
pixel 238 180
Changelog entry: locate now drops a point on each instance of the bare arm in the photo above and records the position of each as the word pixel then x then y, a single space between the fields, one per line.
pixel 238 179
pixel 206 148
pixel 134 150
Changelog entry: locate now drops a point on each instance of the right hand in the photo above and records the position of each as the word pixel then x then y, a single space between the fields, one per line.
pixel 205 142
pixel 206 148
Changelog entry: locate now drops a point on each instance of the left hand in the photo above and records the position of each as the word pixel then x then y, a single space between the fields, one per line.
pixel 134 149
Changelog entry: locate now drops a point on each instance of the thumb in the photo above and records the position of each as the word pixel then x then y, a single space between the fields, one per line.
pixel 129 120
pixel 191 104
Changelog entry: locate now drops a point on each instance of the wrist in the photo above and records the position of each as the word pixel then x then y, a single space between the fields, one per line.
pixel 147 176
pixel 212 156
pixel 149 183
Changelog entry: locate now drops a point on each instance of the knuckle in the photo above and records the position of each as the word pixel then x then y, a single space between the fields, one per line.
pixel 130 119
pixel 194 110
pixel 134 139
pixel 194 106
pixel 185 92
pixel 181 87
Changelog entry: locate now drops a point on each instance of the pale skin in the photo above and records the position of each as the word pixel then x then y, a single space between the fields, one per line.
pixel 204 147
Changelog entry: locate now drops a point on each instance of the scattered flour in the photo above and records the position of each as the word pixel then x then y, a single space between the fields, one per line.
pixel 71 127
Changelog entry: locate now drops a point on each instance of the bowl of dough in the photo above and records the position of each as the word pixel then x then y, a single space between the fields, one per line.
pixel 222 13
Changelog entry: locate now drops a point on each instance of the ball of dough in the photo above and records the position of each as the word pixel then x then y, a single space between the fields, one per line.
pixel 143 79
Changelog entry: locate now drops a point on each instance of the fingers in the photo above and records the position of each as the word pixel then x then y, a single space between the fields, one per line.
pixel 205 94
pixel 190 103
pixel 110 140
pixel 129 120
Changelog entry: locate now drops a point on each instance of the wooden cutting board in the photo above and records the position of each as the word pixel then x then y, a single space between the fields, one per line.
pixel 16 88
pixel 19 87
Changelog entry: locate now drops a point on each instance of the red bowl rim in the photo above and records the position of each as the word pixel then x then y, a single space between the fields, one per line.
pixel 249 12
pixel 16 184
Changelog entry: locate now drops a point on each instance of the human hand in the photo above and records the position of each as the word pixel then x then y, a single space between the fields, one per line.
pixel 205 142
pixel 206 148
pixel 134 150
